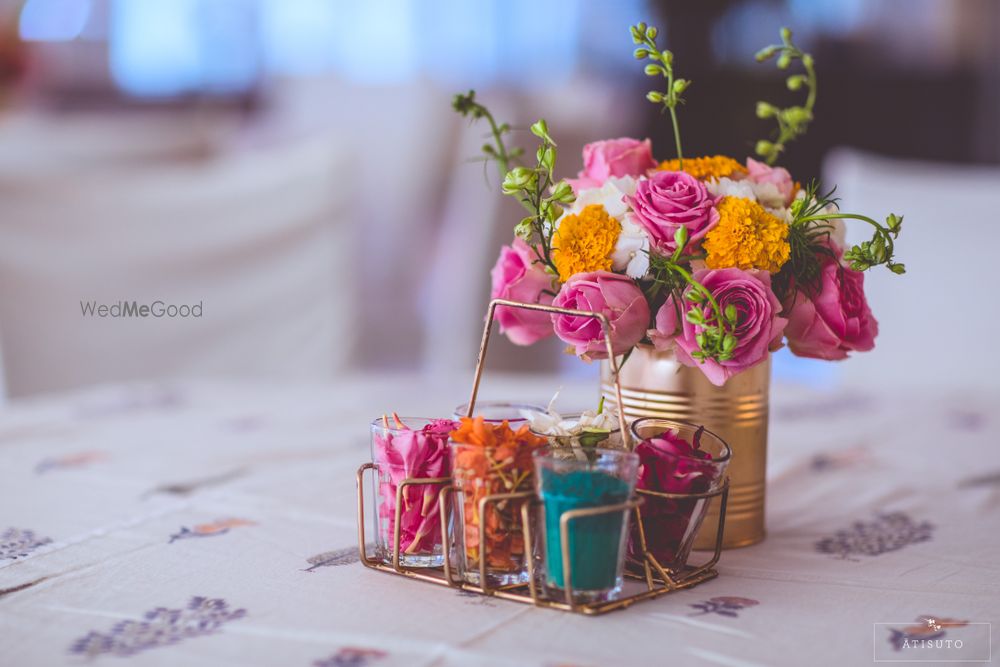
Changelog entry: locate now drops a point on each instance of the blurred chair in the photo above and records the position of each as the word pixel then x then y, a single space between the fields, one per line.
pixel 255 235
pixel 936 321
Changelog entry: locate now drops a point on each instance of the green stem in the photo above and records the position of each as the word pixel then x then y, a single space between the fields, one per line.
pixel 677 136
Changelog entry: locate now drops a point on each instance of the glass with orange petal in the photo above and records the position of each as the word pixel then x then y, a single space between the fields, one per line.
pixel 492 459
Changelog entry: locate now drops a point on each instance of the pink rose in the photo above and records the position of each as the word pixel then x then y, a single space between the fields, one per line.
pixel 614 295
pixel 758 327
pixel 835 321
pixel 784 187
pixel 519 276
pixel 669 200
pixel 613 157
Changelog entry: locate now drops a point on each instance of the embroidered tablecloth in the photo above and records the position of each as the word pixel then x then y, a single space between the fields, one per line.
pixel 214 524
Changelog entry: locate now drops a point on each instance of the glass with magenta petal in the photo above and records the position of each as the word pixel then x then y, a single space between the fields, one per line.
pixel 587 498
pixel 674 458
pixel 410 448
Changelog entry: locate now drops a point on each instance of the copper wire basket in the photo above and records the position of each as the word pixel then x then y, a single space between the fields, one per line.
pixel 646 579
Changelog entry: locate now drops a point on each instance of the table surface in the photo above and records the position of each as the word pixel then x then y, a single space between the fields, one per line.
pixel 214 524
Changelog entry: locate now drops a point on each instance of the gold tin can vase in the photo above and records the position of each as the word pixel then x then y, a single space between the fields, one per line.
pixel 654 384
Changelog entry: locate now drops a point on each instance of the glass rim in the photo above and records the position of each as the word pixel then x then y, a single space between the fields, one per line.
pixel 382 426
pixel 463 408
pixel 673 423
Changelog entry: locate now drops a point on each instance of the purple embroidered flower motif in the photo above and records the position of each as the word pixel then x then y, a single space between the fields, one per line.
pixel 351 656
pixel 477 599
pixel 77 460
pixel 17 543
pixel 723 606
pixel 887 532
pixel 846 458
pixel 160 627
pixel 345 556
pixel 211 529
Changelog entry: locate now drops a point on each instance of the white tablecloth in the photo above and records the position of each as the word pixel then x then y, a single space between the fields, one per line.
pixel 214 524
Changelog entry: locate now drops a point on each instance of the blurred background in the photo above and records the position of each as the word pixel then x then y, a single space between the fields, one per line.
pixel 294 167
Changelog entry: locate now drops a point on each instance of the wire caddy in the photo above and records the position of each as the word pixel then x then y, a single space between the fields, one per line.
pixel 645 580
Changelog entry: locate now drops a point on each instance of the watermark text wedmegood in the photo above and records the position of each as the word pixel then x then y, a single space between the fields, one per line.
pixel 158 308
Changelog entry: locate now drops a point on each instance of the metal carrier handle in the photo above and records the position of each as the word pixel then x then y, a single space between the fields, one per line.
pixel 555 310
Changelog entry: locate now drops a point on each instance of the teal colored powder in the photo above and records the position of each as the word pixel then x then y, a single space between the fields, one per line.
pixel 594 542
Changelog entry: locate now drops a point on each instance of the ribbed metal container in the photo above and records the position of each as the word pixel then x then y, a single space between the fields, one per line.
pixel 654 384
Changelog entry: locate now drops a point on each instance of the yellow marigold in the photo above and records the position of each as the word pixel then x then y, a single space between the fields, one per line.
pixel 746 237
pixel 584 242
pixel 706 168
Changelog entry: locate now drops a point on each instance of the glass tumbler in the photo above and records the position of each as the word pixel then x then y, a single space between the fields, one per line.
pixel 674 457
pixel 478 472
pixel 413 448
pixel 604 478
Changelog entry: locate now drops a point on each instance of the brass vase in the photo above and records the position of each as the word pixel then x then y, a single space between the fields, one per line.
pixel 654 384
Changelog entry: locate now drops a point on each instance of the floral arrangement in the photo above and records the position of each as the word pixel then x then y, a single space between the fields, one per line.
pixel 717 260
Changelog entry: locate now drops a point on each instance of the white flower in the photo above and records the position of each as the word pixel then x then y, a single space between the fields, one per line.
pixel 631 253
pixel 551 422
pixel 611 196
pixel 727 187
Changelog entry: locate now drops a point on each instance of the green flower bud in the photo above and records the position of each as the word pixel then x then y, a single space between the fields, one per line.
pixel 765 54
pixel 795 82
pixel 796 115
pixel 898 269
pixel 729 343
pixel 540 129
pixel 681 237
pixel 694 296
pixel 652 70
pixel 730 313
pixel 654 96
pixel 667 57
pixel 786 35
pixel 652 32
pixel 764 147
pixel 701 339
pixel 641 54
pixel 784 61
pixel 765 110
pixel 807 60
pixel 524 228
pixel 641 27
pixel 680 85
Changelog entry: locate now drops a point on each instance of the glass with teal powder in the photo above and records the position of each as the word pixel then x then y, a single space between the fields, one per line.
pixel 568 481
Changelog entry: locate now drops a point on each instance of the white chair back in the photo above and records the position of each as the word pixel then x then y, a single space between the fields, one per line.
pixel 255 236
pixel 934 321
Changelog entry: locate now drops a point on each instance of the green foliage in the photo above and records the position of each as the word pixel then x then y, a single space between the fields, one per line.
pixel 716 338
pixel 661 63
pixel 792 121
pixel 535 187
pixel 809 238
